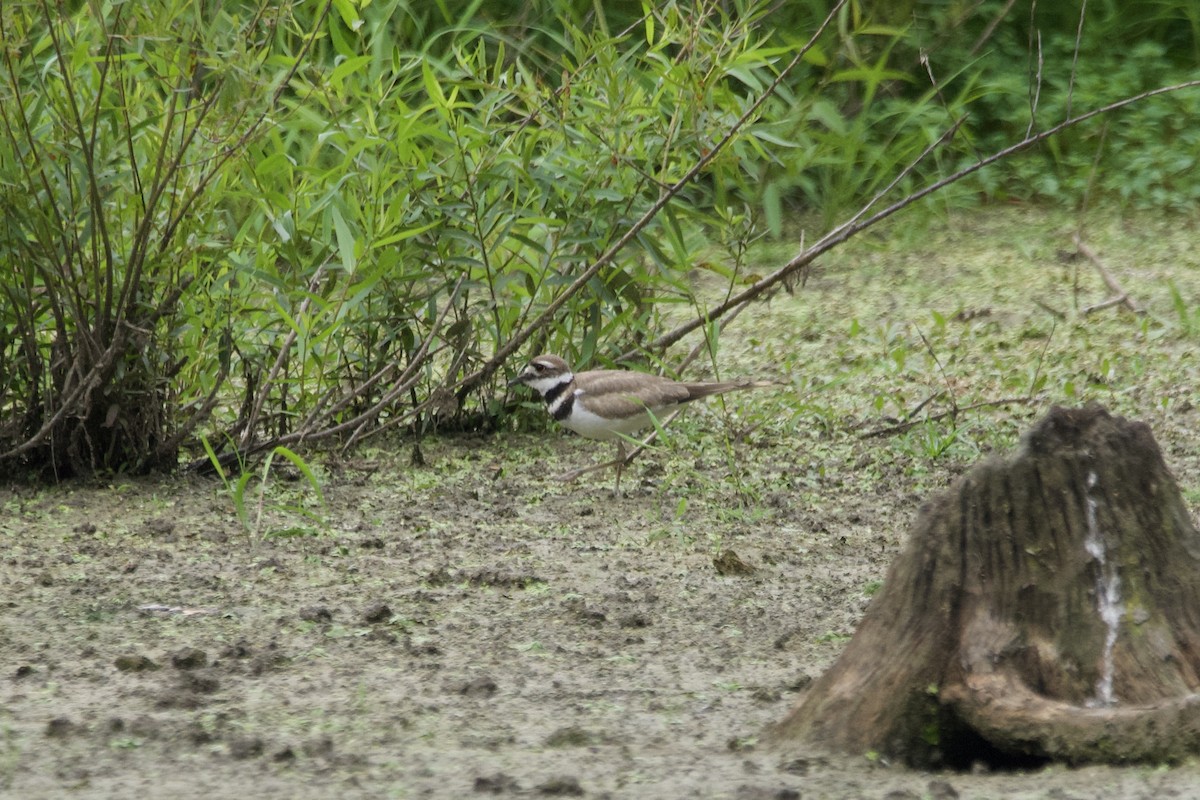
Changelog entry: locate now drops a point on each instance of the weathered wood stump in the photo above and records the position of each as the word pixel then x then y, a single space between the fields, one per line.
pixel 1046 607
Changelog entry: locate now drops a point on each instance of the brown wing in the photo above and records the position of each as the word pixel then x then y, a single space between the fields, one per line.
pixel 627 394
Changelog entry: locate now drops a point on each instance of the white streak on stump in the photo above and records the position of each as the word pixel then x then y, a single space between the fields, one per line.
pixel 1108 598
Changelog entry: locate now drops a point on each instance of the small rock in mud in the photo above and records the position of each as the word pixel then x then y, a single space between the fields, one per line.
pixel 179 697
pixel 764 695
pixel 572 736
pixel 159 526
pixel 421 647
pixel 244 747
pixel 634 620
pixel 144 726
pixel 318 747
pixel 284 753
pixel 382 635
pixel 747 792
pixel 496 784
pixel 59 728
pixel 24 671
pixel 316 614
pixel 941 790
pixel 799 766
pixel 786 639
pixel 502 579
pixel 377 612
pixel 216 536
pixel 239 649
pixel 802 681
pixel 584 612
pixel 132 662
pixel 197 734
pixel 483 686
pixel 565 786
pixel 201 684
pixel 439 577
pixel 189 658
pixel 730 564
pixel 86 528
pixel 265 662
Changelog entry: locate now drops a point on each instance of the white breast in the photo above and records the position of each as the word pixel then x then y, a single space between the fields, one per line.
pixel 594 426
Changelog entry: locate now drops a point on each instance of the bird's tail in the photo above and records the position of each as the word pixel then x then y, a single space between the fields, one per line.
pixel 698 390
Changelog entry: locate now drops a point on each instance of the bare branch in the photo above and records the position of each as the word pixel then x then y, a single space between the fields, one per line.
pixel 1119 293
pixel 856 225
pixel 519 338
pixel 901 427
pixel 991 28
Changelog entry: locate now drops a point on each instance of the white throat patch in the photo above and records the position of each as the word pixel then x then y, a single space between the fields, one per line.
pixel 543 386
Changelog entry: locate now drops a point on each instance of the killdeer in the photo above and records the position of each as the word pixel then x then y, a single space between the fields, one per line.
pixel 610 403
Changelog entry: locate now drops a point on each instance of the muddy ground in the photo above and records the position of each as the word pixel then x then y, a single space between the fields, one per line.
pixel 470 627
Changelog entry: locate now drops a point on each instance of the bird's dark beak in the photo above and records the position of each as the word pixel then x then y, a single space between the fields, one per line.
pixel 517 381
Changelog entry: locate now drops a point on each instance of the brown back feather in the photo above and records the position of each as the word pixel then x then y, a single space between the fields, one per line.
pixel 630 393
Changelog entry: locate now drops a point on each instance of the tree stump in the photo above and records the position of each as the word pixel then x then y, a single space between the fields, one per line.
pixel 1046 607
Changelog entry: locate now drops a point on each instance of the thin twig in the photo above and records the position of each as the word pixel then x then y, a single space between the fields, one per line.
pixel 1049 309
pixel 629 456
pixel 1075 55
pixel 891 430
pixel 284 352
pixel 1119 293
pixel 941 370
pixel 1036 86
pixel 921 405
pixel 1037 372
pixel 856 225
pixel 1109 303
pixel 991 28
pixel 518 338
pixel 701 346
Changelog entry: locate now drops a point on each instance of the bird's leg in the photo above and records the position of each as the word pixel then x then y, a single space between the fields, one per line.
pixel 567 477
pixel 623 458
pixel 620 462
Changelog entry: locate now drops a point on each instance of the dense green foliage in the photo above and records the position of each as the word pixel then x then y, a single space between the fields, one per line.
pixel 277 223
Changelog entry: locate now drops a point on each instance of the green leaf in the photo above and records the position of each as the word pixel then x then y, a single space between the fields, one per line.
pixel 349 13
pixel 347 68
pixel 345 240
pixel 305 470
pixel 648 14
pixel 766 136
pixel 772 205
pixel 407 233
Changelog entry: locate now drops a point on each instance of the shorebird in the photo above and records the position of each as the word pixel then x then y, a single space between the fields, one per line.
pixel 613 403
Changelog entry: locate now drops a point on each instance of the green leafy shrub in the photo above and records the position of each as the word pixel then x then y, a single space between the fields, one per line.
pixel 289 245
pixel 115 146
pixel 277 224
